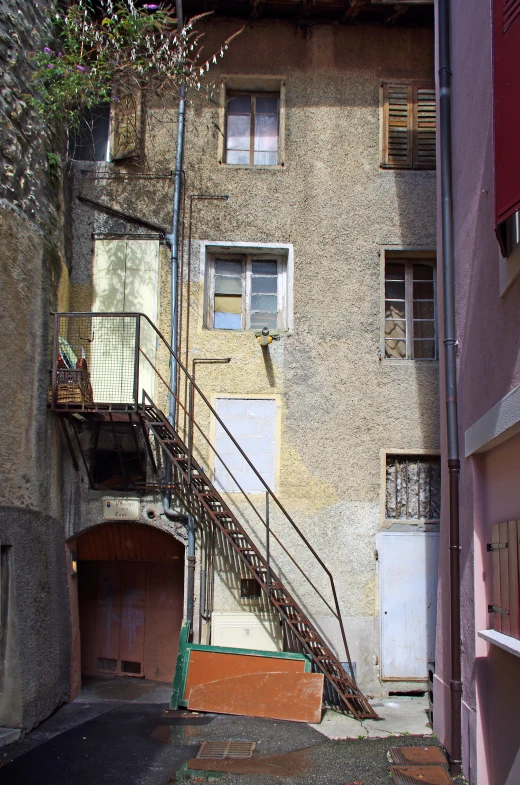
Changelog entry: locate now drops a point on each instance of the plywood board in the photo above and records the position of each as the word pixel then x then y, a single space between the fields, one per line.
pixel 208 666
pixel 282 696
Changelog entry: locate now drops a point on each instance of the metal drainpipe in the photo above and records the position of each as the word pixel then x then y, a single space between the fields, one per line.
pixel 450 363
pixel 174 237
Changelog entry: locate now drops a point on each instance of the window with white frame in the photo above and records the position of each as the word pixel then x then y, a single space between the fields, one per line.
pixel 246 292
pixel 409 317
pixel 252 128
pixel 413 488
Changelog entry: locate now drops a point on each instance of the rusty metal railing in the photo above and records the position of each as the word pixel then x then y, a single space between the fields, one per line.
pixel 115 361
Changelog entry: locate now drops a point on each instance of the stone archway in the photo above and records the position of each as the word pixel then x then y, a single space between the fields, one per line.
pixel 130 598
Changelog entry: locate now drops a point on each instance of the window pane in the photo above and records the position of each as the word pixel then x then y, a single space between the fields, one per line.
pixel 424 350
pixel 422 272
pixel 228 321
pixel 227 284
pixel 264 284
pixel 412 488
pixel 237 157
pixel 395 329
pixel 266 132
pixel 395 349
pixel 424 329
pixel 266 105
pixel 225 303
pixel 394 272
pixel 423 291
pixel 265 268
pixel 395 309
pixel 260 320
pixel 238 132
pixel 265 159
pixel 394 290
pixel 423 309
pixel 228 268
pixel 267 303
pixel 240 104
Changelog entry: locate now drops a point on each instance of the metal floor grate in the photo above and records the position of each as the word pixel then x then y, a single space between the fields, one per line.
pixel 425 775
pixel 417 756
pixel 218 750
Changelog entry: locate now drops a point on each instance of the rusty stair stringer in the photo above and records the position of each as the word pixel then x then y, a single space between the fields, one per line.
pixel 202 500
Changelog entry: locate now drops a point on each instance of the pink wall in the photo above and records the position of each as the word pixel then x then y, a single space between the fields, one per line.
pixel 488 328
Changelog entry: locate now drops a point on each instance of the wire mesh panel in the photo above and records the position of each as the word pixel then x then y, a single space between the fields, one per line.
pixel 95 359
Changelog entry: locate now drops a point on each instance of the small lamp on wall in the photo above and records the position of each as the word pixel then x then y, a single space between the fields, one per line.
pixel 73 563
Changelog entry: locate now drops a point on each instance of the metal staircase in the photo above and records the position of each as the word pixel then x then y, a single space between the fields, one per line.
pixel 189 482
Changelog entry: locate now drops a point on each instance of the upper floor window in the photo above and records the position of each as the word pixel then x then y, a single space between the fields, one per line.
pixel 109 132
pixel 409 316
pixel 409 124
pixel 246 291
pixel 252 128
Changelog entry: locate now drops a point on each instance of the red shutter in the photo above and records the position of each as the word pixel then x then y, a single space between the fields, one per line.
pixel 506 77
pixel 505 610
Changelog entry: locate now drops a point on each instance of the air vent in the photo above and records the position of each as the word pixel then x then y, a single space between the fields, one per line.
pixel 131 667
pixel 511 10
pixel 103 664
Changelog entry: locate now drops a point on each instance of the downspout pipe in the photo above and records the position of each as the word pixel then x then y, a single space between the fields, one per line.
pixel 173 239
pixel 450 369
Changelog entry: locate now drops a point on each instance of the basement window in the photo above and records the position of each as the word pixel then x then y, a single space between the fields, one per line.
pixel 413 488
pixel 410 310
pixel 246 292
pixel 249 589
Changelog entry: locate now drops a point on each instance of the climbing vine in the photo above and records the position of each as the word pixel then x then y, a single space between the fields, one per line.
pixel 105 48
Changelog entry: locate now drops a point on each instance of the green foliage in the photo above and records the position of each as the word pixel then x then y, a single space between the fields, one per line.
pixel 53 162
pixel 114 47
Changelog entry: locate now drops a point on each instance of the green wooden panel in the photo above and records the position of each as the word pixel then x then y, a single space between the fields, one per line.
pixel 183 661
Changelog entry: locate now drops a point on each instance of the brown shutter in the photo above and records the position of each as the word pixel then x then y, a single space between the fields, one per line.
pixel 125 135
pixel 505 613
pixel 424 127
pixel 397 120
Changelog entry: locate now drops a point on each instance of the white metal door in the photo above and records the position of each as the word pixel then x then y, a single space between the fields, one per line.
pixel 408 591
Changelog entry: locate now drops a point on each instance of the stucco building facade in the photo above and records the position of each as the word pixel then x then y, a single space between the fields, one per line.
pixel 317 223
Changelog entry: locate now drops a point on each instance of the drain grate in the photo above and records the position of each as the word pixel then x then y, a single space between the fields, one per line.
pixel 417 756
pixel 425 775
pixel 218 750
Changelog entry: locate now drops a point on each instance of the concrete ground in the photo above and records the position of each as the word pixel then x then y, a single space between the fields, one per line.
pixel 119 732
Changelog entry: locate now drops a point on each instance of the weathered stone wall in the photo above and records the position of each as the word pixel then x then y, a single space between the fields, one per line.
pixel 33 281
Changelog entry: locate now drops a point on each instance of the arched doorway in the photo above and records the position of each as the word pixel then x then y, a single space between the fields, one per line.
pixel 130 597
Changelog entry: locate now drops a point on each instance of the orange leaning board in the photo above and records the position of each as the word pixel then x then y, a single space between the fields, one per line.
pixel 205 666
pixel 279 696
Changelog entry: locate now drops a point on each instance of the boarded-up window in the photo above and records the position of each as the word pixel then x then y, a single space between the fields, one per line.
pixel 410 322
pixel 252 121
pixel 252 422
pixel 413 488
pixel 409 125
pixel 125 131
pixel 505 608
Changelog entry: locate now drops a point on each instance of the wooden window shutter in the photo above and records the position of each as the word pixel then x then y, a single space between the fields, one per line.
pixel 424 126
pixel 505 609
pixel 397 120
pixel 125 135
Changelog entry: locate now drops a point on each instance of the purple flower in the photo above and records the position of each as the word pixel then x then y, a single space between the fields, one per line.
pixel 81 68
pixel 47 50
pixel 60 54
pixel 50 65
pixel 150 7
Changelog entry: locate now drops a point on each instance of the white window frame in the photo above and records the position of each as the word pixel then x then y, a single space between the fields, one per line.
pixel 391 255
pixel 283 253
